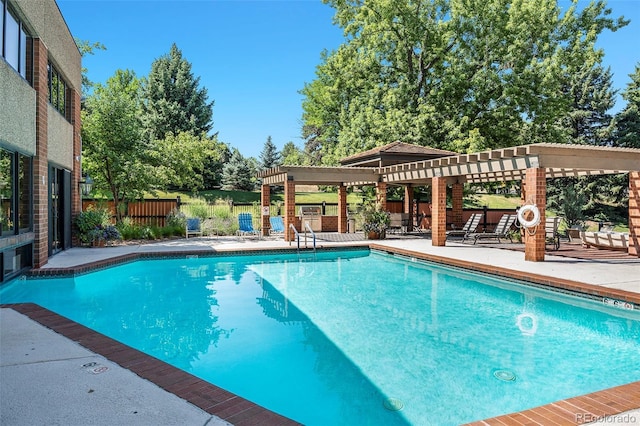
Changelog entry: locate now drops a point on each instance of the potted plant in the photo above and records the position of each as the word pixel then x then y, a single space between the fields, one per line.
pixel 375 221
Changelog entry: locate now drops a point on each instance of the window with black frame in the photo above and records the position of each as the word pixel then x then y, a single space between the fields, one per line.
pixel 14 40
pixel 15 193
pixel 6 192
pixel 57 91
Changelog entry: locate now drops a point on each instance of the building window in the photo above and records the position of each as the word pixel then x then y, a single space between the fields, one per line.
pixel 14 40
pixel 15 192
pixel 57 90
pixel 6 193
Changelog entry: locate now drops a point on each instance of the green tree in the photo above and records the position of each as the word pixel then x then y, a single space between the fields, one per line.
pixel 463 75
pixel 87 48
pixel 114 151
pixel 628 120
pixel 173 101
pixel 181 160
pixel 292 155
pixel 270 157
pixel 237 173
pixel 214 164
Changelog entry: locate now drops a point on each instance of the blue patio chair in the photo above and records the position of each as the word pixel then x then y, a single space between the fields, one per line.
pixel 194 227
pixel 245 225
pixel 277 225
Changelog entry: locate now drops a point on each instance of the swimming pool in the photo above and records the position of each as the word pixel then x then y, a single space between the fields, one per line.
pixel 331 341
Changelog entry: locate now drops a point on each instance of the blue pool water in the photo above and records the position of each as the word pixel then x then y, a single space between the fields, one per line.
pixel 330 341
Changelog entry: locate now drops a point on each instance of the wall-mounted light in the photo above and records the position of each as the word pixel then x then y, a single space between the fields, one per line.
pixel 86 185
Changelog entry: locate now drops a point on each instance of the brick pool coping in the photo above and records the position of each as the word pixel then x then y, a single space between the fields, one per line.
pixel 239 411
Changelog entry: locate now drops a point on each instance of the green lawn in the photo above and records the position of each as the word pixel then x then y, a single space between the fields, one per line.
pixel 492 201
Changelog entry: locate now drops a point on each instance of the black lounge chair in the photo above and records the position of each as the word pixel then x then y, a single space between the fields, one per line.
pixel 468 228
pixel 500 231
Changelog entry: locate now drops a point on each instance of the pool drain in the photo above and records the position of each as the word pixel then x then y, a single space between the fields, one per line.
pixel 393 404
pixel 504 375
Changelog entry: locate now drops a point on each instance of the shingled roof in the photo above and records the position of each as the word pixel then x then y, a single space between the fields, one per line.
pixel 394 153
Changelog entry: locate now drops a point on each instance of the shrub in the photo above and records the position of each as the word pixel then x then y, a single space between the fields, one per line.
pixel 175 218
pixel 91 222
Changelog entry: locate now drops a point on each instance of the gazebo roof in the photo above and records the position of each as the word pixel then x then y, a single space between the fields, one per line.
pixel 394 153
pixel 506 164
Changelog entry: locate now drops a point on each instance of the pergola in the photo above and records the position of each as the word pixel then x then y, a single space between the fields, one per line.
pixel 531 164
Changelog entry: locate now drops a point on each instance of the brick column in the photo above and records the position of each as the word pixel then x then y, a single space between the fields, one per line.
pixel 76 173
pixel 536 184
pixel 408 206
pixel 634 214
pixel 40 161
pixel 381 194
pixel 438 211
pixel 289 209
pixel 342 208
pixel 265 201
pixel 457 204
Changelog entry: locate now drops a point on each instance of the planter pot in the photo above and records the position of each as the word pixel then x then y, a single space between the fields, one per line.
pixel 374 235
pixel 98 243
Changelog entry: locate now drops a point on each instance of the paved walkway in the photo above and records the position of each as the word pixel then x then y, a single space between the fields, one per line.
pixel 48 379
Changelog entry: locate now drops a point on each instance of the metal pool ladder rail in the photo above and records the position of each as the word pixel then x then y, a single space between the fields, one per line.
pixel 307 228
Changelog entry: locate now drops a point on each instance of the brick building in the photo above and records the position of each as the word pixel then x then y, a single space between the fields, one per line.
pixel 40 146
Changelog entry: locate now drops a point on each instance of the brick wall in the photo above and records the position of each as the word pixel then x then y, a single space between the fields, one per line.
pixel 439 211
pixel 40 162
pixel 534 239
pixel 634 213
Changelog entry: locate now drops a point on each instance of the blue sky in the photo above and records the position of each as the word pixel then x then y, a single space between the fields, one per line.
pixel 253 57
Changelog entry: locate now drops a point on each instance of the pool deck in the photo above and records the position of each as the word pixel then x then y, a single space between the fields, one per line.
pixel 79 377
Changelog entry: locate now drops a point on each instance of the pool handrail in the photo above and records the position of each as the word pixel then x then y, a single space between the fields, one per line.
pixel 307 227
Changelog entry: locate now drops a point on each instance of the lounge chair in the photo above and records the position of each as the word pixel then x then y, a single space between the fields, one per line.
pixel 245 225
pixel 605 240
pixel 399 222
pixel 551 231
pixel 277 225
pixel 468 228
pixel 500 231
pixel 193 227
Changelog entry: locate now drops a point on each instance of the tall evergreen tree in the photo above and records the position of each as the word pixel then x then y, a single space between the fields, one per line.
pixel 270 157
pixel 173 101
pixel 628 120
pixel 237 174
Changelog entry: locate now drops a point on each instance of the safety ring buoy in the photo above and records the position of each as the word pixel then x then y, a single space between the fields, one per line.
pixel 534 221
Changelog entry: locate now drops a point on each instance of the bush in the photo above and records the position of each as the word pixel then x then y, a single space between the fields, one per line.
pixel 91 222
pixel 176 219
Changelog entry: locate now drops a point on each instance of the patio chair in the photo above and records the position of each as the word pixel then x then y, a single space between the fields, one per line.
pixel 245 225
pixel 468 228
pixel 277 225
pixel 399 222
pixel 500 231
pixel 552 236
pixel 193 227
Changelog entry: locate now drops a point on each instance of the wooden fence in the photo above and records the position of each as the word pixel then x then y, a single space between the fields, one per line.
pixel 154 211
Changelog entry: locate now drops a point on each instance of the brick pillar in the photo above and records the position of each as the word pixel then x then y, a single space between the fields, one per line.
pixel 40 162
pixel 76 173
pixel 289 209
pixel 534 239
pixel 381 194
pixel 634 214
pixel 342 209
pixel 438 211
pixel 408 205
pixel 265 201
pixel 457 204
